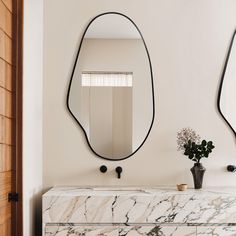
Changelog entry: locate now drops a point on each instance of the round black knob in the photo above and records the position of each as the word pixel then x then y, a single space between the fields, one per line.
pixel 231 168
pixel 103 169
pixel 118 171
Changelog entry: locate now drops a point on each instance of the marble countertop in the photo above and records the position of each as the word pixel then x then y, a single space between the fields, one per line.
pixel 133 190
pixel 215 205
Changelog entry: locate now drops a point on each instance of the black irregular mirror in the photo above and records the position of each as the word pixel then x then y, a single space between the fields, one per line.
pixel 111 93
pixel 227 95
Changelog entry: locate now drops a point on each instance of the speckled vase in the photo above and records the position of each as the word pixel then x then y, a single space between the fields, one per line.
pixel 198 171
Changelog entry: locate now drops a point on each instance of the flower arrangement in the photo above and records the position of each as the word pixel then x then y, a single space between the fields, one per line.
pixel 185 135
pixel 190 142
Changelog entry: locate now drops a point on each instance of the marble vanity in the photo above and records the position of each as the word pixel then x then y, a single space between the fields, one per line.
pixel 131 211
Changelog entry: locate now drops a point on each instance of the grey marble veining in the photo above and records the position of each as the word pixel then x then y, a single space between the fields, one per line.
pixel 81 230
pixel 157 230
pixel 216 231
pixel 120 231
pixel 139 205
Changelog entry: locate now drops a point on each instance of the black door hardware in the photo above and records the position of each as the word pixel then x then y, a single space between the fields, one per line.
pixel 13 197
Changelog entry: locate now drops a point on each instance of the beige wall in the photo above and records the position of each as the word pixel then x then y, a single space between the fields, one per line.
pixel 32 116
pixel 187 41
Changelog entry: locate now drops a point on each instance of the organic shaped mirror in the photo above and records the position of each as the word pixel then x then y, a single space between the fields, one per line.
pixel 227 94
pixel 111 93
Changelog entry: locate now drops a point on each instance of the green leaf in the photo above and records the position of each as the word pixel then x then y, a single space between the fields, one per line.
pixel 204 142
pixel 191 156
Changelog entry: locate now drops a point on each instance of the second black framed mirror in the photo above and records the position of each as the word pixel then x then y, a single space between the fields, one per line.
pixel 227 95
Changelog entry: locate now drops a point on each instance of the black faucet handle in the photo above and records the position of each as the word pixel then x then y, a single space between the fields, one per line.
pixel 103 169
pixel 231 168
pixel 118 171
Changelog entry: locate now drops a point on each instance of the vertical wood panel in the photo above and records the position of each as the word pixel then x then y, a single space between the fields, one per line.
pixel 5 75
pixel 8 76
pixel 6 106
pixel 2 73
pixel 5 130
pixel 2 101
pixel 5 214
pixel 8 131
pixel 5 18
pixel 2 15
pixel 8 23
pixel 2 43
pixel 8 49
pixel 8 4
pixel 5 228
pixel 5 47
pixel 5 103
pixel 5 157
pixel 2 129
pixel 5 187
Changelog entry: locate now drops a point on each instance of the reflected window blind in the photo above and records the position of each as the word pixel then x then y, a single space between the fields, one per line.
pixel 107 79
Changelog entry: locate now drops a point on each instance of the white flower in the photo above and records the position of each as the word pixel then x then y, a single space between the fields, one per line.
pixel 185 135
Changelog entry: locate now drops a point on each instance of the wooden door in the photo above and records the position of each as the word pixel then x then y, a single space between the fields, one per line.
pixel 10 118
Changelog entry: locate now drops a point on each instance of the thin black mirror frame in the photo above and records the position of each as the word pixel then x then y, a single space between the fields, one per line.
pixel 71 78
pixel 222 82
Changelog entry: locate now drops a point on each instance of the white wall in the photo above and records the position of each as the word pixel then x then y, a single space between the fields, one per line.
pixel 188 42
pixel 32 116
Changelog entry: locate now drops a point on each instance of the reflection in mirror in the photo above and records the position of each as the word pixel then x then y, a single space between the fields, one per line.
pixel 227 92
pixel 111 88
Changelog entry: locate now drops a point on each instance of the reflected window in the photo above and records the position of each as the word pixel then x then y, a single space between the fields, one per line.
pixel 107 79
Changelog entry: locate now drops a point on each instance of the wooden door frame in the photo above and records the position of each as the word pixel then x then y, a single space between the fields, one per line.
pixel 17 82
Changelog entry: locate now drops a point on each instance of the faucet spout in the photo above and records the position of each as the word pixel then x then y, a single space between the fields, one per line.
pixel 118 171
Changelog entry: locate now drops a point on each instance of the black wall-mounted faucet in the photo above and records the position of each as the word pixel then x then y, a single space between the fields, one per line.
pixel 118 171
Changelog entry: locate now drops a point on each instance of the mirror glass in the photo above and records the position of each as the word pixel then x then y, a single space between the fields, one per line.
pixel 111 89
pixel 227 93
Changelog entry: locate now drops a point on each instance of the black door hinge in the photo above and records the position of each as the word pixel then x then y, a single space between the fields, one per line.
pixel 13 197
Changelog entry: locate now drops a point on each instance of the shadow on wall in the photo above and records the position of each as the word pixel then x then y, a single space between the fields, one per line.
pixel 36 213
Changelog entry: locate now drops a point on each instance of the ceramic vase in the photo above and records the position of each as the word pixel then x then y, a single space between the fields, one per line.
pixel 198 171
